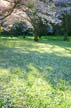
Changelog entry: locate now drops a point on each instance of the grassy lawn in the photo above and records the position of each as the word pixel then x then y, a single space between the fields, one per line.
pixel 35 74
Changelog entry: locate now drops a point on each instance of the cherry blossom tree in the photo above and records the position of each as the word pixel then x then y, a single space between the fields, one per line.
pixel 42 8
pixel 35 9
pixel 8 6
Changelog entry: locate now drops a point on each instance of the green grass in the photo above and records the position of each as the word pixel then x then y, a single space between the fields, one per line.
pixel 49 38
pixel 35 74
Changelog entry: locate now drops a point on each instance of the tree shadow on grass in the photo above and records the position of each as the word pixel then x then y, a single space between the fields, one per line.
pixel 58 43
pixel 52 67
pixel 34 74
pixel 62 44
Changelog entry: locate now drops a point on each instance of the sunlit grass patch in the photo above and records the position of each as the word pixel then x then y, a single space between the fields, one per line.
pixel 35 75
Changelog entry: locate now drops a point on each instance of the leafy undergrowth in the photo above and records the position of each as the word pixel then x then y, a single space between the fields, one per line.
pixel 35 75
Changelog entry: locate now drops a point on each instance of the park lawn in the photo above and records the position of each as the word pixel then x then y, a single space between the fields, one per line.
pixel 35 74
pixel 49 38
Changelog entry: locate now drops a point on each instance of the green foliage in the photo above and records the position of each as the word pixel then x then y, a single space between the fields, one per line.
pixel 30 5
pixel 20 28
pixel 17 29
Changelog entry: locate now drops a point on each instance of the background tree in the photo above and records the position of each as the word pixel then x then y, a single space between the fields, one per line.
pixel 36 10
pixel 43 11
pixel 63 12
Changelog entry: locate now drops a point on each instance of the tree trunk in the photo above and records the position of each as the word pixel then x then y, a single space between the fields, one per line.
pixel 66 28
pixel 40 37
pixel 24 36
pixel 36 38
pixel 65 36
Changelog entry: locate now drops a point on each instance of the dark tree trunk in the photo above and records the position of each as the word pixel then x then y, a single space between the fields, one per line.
pixel 24 36
pixel 40 37
pixel 65 36
pixel 66 27
pixel 36 38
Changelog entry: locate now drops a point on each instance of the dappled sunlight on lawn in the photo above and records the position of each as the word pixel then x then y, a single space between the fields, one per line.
pixel 17 91
pixel 35 75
